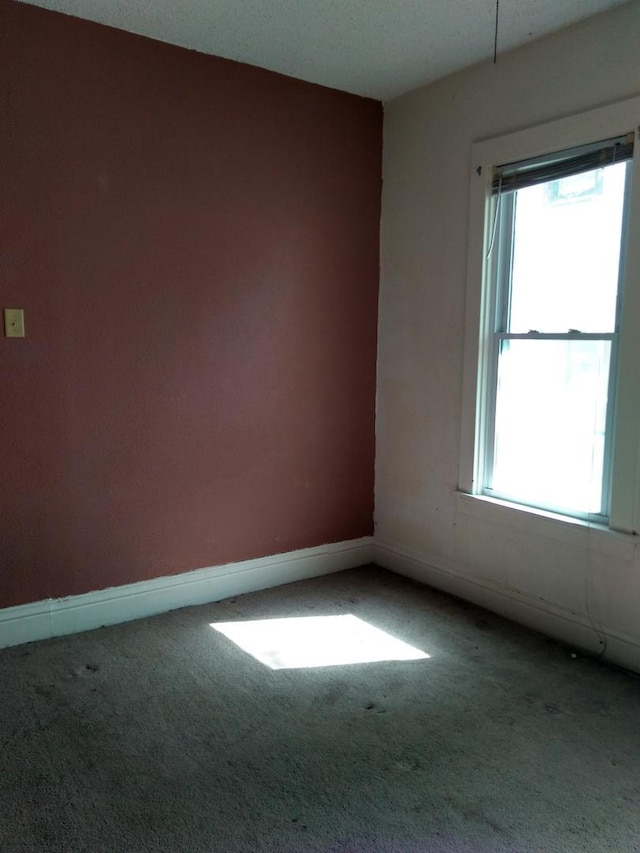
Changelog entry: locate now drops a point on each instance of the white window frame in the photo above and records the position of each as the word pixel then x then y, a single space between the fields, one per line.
pixel 602 123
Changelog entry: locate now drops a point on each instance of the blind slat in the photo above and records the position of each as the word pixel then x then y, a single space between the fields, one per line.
pixel 527 173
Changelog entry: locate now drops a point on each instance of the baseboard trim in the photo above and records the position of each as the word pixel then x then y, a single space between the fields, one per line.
pixel 55 617
pixel 576 629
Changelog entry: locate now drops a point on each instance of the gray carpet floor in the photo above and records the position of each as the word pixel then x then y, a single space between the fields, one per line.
pixel 162 735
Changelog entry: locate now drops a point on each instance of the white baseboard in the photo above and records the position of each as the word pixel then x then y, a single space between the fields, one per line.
pixel 573 628
pixel 54 617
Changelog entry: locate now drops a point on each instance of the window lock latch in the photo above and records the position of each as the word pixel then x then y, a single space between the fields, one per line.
pixel 575 332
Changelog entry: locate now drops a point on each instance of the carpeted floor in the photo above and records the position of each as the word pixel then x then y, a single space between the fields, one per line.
pixel 162 735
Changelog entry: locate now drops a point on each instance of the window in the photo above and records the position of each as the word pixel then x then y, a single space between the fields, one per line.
pixel 551 396
pixel 554 265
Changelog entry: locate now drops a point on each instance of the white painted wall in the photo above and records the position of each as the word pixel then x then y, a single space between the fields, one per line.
pixel 568 580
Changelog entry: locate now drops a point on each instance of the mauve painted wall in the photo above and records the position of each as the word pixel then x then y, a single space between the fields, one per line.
pixel 195 245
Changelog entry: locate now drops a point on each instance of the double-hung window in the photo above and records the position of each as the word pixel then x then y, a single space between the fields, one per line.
pixel 552 292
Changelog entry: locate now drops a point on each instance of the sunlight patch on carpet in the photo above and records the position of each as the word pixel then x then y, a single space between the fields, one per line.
pixel 310 641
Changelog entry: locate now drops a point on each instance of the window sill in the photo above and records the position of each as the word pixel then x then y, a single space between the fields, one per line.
pixel 550 525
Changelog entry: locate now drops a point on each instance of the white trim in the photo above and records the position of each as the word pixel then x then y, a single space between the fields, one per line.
pixel 570 132
pixel 566 625
pixel 474 369
pixel 625 497
pixel 566 529
pixel 55 617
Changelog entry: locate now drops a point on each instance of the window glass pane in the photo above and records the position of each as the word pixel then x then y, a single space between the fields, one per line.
pixel 550 423
pixel 566 253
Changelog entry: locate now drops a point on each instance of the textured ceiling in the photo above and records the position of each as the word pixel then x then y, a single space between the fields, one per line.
pixel 379 48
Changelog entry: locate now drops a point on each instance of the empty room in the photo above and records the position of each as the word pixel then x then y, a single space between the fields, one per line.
pixel 320 493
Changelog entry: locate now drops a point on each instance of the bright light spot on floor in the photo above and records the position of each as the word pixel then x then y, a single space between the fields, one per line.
pixel 308 641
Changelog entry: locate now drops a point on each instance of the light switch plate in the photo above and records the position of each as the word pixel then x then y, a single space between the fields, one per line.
pixel 14 322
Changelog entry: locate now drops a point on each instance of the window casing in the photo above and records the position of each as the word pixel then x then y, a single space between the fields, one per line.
pixel 594 340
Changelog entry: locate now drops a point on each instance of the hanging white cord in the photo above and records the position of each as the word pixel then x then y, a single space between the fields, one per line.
pixel 588 574
pixel 495 220
pixel 598 630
